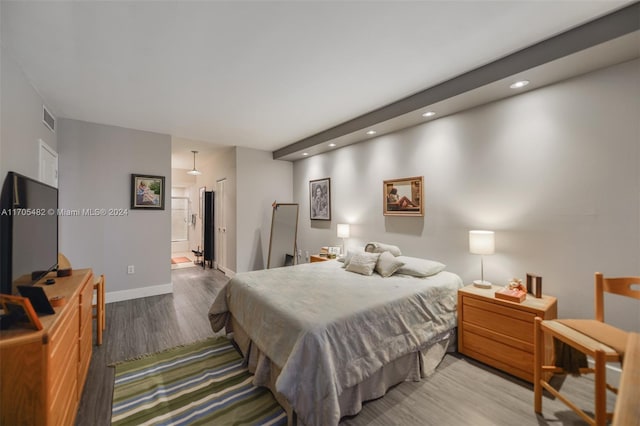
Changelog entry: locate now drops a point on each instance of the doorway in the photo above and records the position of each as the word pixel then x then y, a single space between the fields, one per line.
pixel 180 228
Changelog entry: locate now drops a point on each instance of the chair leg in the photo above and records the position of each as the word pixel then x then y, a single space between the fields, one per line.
pixel 99 306
pixel 600 389
pixel 538 351
pixel 104 305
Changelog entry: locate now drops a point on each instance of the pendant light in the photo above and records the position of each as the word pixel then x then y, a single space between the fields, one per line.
pixel 195 171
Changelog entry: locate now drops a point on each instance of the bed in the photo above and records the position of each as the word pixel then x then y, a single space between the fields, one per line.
pixel 324 339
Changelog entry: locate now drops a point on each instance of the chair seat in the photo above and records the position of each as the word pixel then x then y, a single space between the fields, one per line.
pixel 589 336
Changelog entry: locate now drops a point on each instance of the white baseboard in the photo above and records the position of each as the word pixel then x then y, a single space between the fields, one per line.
pixel 228 272
pixel 137 293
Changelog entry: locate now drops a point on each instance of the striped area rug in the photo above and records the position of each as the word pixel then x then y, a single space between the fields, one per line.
pixel 199 384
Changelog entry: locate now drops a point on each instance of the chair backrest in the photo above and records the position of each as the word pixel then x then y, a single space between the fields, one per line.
pixel 624 286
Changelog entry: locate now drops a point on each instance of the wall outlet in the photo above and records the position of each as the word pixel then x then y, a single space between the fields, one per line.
pixel 131 269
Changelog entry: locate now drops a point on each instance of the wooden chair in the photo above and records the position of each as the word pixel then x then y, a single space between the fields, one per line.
pixel 98 309
pixel 602 342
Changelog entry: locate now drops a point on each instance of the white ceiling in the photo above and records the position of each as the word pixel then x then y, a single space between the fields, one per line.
pixel 261 74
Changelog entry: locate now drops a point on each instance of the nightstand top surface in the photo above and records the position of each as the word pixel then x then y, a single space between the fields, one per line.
pixel 530 302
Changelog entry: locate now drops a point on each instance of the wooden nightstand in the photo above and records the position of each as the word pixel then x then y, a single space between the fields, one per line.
pixel 500 333
pixel 317 258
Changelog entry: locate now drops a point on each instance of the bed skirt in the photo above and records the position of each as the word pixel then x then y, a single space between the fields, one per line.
pixel 410 367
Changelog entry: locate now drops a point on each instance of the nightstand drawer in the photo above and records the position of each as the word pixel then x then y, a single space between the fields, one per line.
pixel 488 333
pixel 497 309
pixel 499 323
pixel 509 355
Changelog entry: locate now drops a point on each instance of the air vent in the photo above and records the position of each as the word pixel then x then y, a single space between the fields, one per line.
pixel 48 119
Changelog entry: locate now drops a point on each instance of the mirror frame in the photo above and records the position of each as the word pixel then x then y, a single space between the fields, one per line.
pixel 295 238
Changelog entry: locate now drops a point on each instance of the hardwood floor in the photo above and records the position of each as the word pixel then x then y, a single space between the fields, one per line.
pixel 460 392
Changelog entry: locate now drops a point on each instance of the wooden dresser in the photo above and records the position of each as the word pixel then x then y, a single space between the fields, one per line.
pixel 500 333
pixel 43 372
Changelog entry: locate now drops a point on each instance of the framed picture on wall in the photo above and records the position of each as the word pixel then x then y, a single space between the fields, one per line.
pixel 402 197
pixel 320 199
pixel 147 192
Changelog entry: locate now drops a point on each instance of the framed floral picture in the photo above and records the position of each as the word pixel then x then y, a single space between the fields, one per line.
pixel 147 192
pixel 402 197
pixel 320 199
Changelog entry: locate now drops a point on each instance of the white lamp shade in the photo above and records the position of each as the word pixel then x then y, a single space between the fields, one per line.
pixel 343 230
pixel 481 242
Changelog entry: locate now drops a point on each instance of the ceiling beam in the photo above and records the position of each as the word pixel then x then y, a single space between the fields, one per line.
pixel 608 27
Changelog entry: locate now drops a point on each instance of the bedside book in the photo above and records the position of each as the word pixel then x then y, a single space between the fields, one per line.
pixel 512 295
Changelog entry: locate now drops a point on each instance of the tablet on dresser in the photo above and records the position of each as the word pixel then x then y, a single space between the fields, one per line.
pixel 38 298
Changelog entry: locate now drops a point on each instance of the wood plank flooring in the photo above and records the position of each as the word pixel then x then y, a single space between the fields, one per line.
pixel 460 392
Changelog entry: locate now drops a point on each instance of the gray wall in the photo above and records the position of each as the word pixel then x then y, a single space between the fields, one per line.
pixel 555 172
pixel 96 162
pixel 261 181
pixel 20 121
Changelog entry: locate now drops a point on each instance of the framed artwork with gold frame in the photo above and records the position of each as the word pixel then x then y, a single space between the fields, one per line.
pixel 403 197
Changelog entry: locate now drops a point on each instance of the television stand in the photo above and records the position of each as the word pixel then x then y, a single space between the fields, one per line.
pixel 43 372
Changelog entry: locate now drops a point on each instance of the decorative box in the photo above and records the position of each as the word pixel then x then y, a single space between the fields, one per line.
pixel 515 295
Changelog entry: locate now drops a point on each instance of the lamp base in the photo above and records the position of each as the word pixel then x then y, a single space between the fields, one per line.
pixel 482 284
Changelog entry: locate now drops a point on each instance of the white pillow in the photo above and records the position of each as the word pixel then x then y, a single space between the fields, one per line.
pixel 388 264
pixel 381 247
pixel 363 263
pixel 347 257
pixel 419 267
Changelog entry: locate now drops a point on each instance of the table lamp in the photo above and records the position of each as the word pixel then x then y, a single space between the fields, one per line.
pixel 481 242
pixel 343 232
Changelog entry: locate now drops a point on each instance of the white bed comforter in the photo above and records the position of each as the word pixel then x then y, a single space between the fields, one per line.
pixel 329 329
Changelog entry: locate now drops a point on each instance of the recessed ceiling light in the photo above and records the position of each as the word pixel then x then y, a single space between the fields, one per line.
pixel 371 132
pixel 519 84
pixel 429 114
pixel 305 154
pixel 332 145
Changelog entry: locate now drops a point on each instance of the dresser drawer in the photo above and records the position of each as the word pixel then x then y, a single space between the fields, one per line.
pixel 86 346
pixel 63 393
pixel 64 348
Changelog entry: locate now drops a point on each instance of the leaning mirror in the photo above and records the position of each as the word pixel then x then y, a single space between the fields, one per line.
pixel 284 230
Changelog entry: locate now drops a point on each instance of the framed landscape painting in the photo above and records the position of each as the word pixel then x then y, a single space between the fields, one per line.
pixel 320 199
pixel 147 192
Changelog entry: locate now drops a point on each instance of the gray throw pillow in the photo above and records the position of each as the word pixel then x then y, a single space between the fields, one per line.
pixel 347 257
pixel 363 263
pixel 388 264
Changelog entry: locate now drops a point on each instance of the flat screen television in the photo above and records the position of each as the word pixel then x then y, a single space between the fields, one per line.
pixel 28 231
